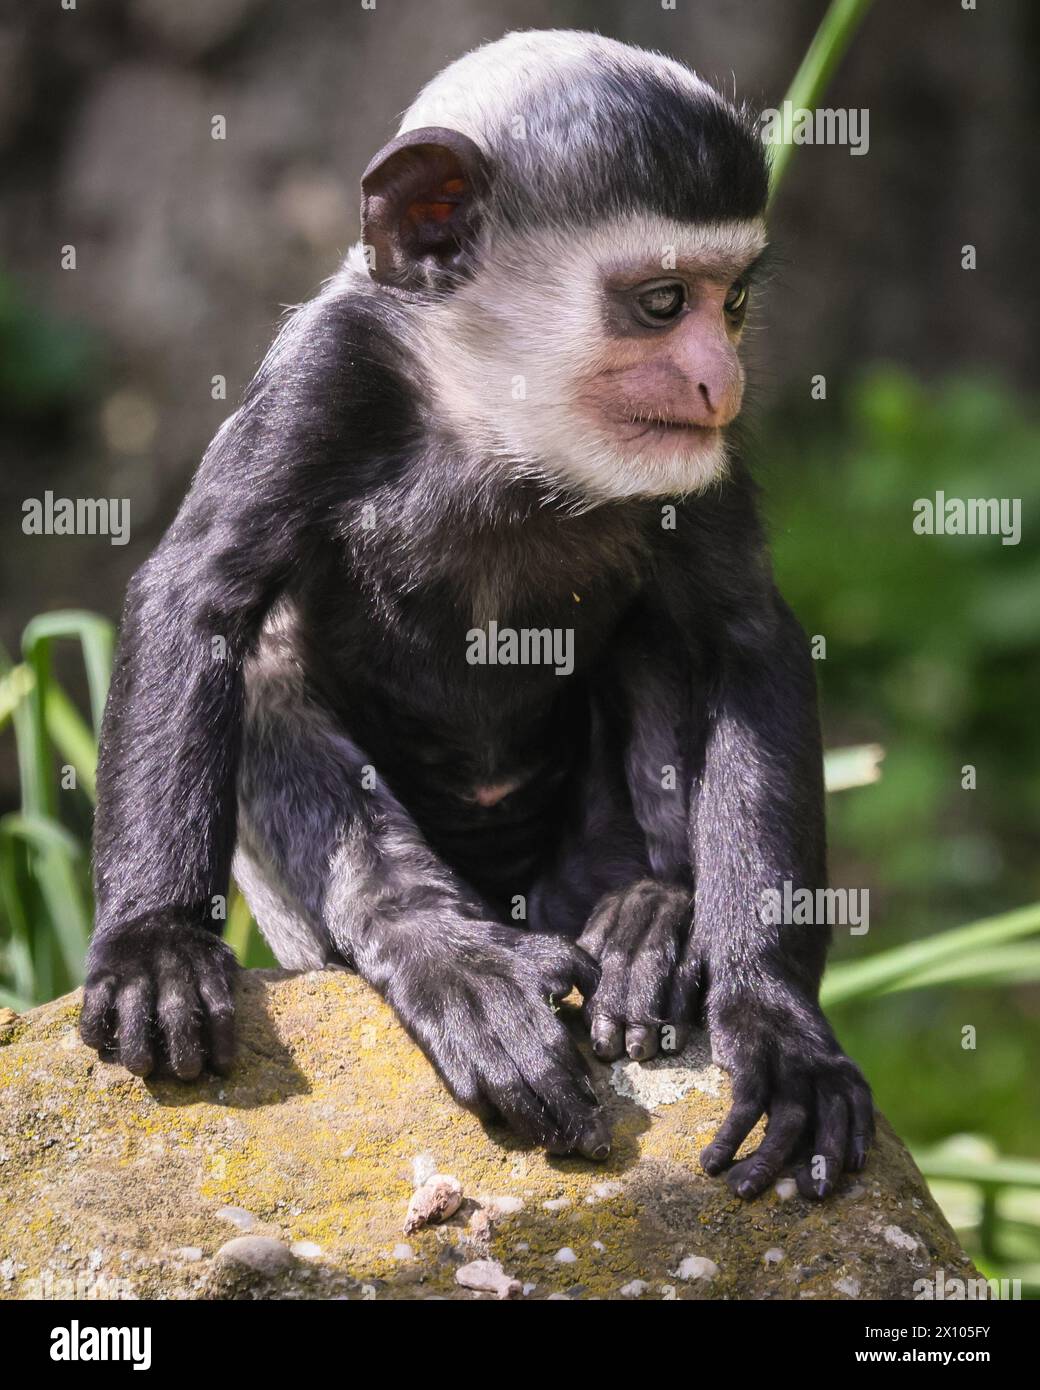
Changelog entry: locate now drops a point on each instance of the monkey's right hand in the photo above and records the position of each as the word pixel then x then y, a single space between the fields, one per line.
pixel 484 1014
pixel 159 997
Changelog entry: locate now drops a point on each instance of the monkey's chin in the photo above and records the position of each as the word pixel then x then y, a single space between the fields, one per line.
pixel 669 460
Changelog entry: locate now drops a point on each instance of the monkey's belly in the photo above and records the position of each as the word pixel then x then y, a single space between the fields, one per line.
pixel 500 837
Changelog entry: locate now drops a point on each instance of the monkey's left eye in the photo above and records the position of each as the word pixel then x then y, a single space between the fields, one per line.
pixel 661 303
pixel 736 300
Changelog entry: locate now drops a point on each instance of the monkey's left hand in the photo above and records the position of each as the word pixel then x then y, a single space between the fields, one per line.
pixel 649 974
pixel 784 1062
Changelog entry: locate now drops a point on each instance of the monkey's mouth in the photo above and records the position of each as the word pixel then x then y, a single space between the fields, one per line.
pixel 643 427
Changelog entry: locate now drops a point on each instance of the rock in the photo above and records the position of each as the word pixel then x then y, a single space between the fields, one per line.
pixel 320 1133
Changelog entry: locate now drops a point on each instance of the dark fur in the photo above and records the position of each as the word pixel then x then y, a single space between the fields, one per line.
pixel 686 657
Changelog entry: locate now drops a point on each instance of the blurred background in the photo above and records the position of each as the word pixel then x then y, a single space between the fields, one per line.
pixel 187 248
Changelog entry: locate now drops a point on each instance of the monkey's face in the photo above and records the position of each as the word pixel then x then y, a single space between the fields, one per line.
pixel 605 360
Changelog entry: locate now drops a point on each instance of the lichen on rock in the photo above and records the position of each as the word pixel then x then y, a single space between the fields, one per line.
pixel 292 1177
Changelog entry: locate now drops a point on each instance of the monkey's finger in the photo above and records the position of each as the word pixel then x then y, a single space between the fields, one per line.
pixel 595 1139
pixel 861 1104
pixel 735 1128
pixel 561 965
pixel 179 1015
pixel 96 1020
pixel 786 1126
pixel 134 1016
pixel 818 1173
pixel 608 1037
pixel 218 1001
pixel 641 1041
pixel 600 927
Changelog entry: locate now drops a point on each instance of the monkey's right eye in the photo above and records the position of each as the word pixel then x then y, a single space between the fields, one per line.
pixel 660 304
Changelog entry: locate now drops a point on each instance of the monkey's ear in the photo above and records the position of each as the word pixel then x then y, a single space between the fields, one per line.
pixel 419 200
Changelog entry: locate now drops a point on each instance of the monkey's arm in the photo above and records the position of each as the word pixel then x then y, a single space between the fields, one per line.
pixel 758 823
pixel 158 986
pixel 737 720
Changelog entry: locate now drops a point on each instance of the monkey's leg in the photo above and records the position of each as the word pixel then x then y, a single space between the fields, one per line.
pixel 618 890
pixel 337 870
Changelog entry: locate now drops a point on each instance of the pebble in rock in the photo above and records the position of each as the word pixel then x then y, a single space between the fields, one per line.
pixel 435 1200
pixel 635 1289
pixel 263 1254
pixel 697 1267
pixel 238 1216
pixel 488 1276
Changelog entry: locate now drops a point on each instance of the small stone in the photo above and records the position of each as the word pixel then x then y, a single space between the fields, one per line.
pixel 402 1252
pixel 898 1238
pixel 305 1249
pixel 635 1289
pixel 774 1256
pixel 238 1216
pixel 786 1188
pixel 603 1191
pixel 439 1197
pixel 487 1276
pixel 190 1254
pixel 697 1267
pixel 262 1254
pixel 566 1256
pixel 556 1203
pixel 424 1166
pixel 848 1286
pixel 504 1206
pixel 598 1245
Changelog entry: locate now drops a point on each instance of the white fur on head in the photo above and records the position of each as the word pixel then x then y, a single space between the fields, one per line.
pixel 481 92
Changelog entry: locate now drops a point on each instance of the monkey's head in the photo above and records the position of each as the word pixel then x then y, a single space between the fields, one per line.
pixel 578 222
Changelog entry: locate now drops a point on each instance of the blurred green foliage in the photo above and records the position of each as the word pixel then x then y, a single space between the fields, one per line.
pixel 933 651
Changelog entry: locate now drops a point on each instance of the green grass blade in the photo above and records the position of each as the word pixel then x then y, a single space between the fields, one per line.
pixel 239 927
pixel 72 737
pixel 824 54
pixel 96 637
pixel 857 766
pixel 989 1173
pixel 54 854
pixel 19 955
pixel 15 684
pixel 900 966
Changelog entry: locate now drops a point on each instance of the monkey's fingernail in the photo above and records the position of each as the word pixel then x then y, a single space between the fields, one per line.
pixel 824 1188
pixel 746 1188
pixel 595 1142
